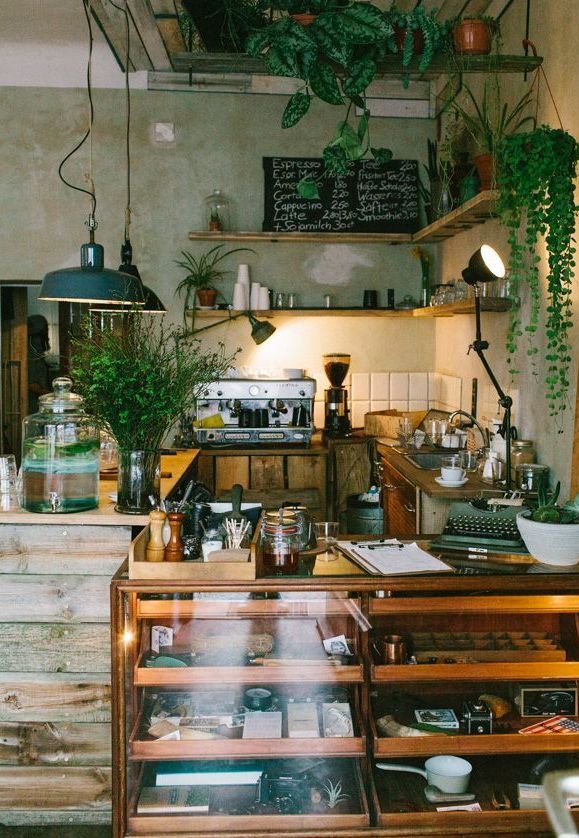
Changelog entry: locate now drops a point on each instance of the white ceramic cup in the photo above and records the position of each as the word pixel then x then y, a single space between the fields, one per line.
pixel 452 474
pixel 448 773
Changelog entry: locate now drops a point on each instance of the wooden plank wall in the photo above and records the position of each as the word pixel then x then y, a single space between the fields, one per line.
pixel 55 744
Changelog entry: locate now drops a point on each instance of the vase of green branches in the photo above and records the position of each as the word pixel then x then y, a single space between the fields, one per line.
pixel 137 381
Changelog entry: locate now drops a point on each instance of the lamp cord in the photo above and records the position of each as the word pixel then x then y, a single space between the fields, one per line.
pixel 92 224
pixel 125 12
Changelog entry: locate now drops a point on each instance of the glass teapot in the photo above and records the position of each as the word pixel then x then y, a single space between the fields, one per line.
pixel 60 454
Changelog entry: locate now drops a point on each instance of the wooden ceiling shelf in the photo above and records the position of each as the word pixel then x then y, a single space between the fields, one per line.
pixel 240 64
pixel 475 211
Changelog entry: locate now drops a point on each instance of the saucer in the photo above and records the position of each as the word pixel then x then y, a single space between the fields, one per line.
pixel 451 484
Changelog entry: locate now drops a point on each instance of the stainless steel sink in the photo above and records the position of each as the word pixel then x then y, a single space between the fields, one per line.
pixel 429 460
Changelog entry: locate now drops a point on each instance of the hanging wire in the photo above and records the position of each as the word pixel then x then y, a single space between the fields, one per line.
pixel 92 224
pixel 125 12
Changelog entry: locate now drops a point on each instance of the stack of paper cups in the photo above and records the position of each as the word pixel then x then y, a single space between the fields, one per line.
pixel 243 281
pixel 263 298
pixel 254 296
pixel 240 301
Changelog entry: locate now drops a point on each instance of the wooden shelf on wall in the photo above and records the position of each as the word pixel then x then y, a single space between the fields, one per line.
pixel 391 66
pixel 493 304
pixel 475 211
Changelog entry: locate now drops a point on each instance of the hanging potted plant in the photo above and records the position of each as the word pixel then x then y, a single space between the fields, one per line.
pixel 201 273
pixel 416 32
pixel 473 35
pixel 137 381
pixel 336 58
pixel 536 182
pixel 488 123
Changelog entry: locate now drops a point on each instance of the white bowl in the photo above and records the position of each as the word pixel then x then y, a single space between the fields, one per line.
pixel 552 544
pixel 291 372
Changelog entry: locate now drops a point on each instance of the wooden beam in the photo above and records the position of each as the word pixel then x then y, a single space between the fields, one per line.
pixel 147 50
pixel 43 647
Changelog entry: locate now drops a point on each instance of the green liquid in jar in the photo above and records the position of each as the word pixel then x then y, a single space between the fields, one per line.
pixel 69 469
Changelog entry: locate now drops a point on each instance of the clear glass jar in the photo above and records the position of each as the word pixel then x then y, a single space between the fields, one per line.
pixel 60 454
pixel 217 211
pixel 522 451
pixel 280 544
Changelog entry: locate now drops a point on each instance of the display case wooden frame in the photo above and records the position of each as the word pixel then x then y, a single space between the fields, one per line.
pixel 550 599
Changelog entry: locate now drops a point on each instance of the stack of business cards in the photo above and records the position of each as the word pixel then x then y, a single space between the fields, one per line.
pixel 445 719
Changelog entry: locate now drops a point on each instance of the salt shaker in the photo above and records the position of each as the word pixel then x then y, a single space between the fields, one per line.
pixel 156 548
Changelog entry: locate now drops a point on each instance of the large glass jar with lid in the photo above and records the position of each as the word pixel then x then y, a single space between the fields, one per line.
pixel 217 211
pixel 60 454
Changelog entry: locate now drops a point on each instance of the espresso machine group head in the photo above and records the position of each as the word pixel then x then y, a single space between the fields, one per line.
pixel 337 415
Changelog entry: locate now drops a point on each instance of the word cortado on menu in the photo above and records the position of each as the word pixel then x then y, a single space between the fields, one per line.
pixel 370 198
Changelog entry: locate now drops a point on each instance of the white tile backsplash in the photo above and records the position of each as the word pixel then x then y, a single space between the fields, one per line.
pixel 398 386
pixel 418 386
pixel 418 404
pixel 433 387
pixel 359 410
pixel 360 386
pixel 380 387
pixel 399 405
pixel 379 405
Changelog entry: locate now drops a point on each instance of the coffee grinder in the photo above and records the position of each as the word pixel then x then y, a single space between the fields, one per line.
pixel 337 415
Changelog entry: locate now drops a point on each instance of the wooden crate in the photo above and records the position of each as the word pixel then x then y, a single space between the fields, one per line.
pixel 196 571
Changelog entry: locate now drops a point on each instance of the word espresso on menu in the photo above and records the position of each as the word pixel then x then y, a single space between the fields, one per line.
pixel 372 197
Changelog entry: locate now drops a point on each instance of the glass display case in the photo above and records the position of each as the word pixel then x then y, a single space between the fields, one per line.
pixel 297 705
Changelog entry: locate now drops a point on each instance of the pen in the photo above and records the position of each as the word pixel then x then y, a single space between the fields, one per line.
pixel 383 546
pixel 375 544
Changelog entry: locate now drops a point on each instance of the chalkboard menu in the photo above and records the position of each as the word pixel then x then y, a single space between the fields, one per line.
pixel 371 198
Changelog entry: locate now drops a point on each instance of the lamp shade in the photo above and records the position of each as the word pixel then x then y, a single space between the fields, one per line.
pixel 260 330
pixel 92 282
pixel 484 265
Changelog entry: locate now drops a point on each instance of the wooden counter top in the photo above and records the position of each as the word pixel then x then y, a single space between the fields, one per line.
pixel 424 478
pixel 174 466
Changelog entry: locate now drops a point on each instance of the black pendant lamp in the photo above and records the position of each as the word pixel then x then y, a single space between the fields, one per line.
pixel 91 282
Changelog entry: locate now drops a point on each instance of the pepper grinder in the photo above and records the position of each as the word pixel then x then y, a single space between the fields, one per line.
pixel 156 548
pixel 174 548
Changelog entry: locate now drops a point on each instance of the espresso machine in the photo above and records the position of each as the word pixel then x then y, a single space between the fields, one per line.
pixel 337 415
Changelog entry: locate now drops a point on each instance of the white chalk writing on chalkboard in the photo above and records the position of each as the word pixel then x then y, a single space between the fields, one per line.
pixel 370 198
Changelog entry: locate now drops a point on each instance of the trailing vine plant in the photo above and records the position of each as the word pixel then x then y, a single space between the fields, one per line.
pixel 536 172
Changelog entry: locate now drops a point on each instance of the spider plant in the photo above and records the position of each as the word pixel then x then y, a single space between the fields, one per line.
pixel 490 120
pixel 202 271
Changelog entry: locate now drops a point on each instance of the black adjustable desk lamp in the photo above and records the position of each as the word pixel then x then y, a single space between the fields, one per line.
pixel 485 266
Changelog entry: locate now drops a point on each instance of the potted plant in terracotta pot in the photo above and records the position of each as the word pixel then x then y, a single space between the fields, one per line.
pixel 201 274
pixel 551 532
pixel 473 35
pixel 488 122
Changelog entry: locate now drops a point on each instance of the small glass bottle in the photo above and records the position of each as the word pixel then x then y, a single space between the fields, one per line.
pixel 217 211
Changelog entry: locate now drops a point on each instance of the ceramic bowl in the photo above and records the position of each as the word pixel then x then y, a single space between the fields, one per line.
pixel 552 544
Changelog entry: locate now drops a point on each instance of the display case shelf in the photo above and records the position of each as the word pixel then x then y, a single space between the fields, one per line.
pixel 272 674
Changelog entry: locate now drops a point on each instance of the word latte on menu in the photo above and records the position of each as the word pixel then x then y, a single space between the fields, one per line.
pixel 370 198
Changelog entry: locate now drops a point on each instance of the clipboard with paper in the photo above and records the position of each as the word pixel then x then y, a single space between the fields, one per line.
pixel 392 558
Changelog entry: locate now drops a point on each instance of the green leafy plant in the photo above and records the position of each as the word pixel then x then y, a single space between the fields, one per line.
pixel 489 121
pixel 222 25
pixel 433 31
pixel 536 174
pixel 138 380
pixel 547 510
pixel 314 7
pixel 336 58
pixel 203 271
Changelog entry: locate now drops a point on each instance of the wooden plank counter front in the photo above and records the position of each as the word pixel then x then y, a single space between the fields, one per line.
pixel 55 571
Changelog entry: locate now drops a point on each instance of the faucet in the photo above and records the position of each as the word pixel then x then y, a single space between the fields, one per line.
pixel 484 432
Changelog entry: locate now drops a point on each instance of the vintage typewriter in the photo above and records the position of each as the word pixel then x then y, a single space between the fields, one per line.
pixel 479 526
